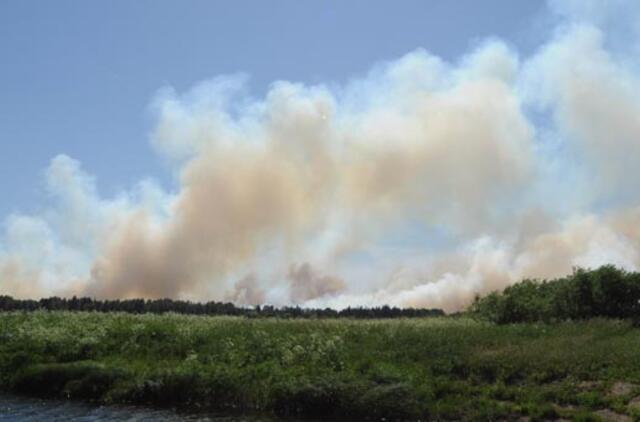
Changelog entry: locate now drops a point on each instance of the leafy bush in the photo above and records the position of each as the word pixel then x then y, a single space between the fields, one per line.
pixel 87 380
pixel 605 292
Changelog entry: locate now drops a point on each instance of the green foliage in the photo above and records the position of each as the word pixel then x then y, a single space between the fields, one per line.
pixel 590 399
pixel 407 369
pixel 87 380
pixel 606 292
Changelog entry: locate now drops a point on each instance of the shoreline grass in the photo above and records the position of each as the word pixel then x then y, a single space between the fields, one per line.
pixel 401 369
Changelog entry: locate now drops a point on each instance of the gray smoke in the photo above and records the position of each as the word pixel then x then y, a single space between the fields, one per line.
pixel 423 183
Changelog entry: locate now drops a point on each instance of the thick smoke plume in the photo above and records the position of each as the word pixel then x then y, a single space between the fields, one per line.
pixel 422 183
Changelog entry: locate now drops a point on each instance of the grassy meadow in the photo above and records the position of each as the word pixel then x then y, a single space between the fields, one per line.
pixel 399 369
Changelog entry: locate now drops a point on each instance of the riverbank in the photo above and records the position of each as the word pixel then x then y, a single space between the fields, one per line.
pixel 28 409
pixel 433 368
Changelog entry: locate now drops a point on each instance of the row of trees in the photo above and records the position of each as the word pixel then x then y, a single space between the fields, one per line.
pixel 159 306
pixel 605 292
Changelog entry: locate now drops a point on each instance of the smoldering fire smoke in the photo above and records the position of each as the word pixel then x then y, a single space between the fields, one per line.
pixel 422 183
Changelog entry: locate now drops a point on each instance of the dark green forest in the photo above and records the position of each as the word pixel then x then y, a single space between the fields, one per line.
pixel 606 292
pixel 161 306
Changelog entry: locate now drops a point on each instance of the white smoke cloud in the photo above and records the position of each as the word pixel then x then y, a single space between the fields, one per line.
pixel 423 183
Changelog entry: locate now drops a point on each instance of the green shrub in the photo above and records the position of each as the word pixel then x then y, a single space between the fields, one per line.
pixel 320 398
pixel 88 380
pixel 590 399
pixel 605 292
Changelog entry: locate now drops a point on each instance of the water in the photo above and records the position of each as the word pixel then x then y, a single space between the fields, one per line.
pixel 14 408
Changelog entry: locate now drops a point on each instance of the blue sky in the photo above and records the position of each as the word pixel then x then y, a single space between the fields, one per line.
pixel 77 77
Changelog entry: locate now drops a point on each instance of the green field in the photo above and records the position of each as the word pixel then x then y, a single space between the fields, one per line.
pixel 405 369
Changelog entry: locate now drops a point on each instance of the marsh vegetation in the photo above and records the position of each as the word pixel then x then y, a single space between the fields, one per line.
pixel 566 348
pixel 437 368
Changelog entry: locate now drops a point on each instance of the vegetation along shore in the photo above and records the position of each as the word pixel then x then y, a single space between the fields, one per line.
pixel 541 350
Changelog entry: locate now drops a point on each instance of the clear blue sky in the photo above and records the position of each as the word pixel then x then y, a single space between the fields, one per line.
pixel 76 77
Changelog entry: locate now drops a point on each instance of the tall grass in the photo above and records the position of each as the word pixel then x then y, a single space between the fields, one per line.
pixel 433 368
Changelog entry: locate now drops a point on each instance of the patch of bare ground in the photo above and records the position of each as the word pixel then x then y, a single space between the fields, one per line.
pixel 633 408
pixel 589 385
pixel 608 415
pixel 621 388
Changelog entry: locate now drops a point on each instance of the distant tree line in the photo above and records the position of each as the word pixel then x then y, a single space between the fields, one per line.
pixel 607 292
pixel 160 306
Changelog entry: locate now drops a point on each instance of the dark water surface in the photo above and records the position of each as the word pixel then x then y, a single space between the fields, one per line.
pixel 15 408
